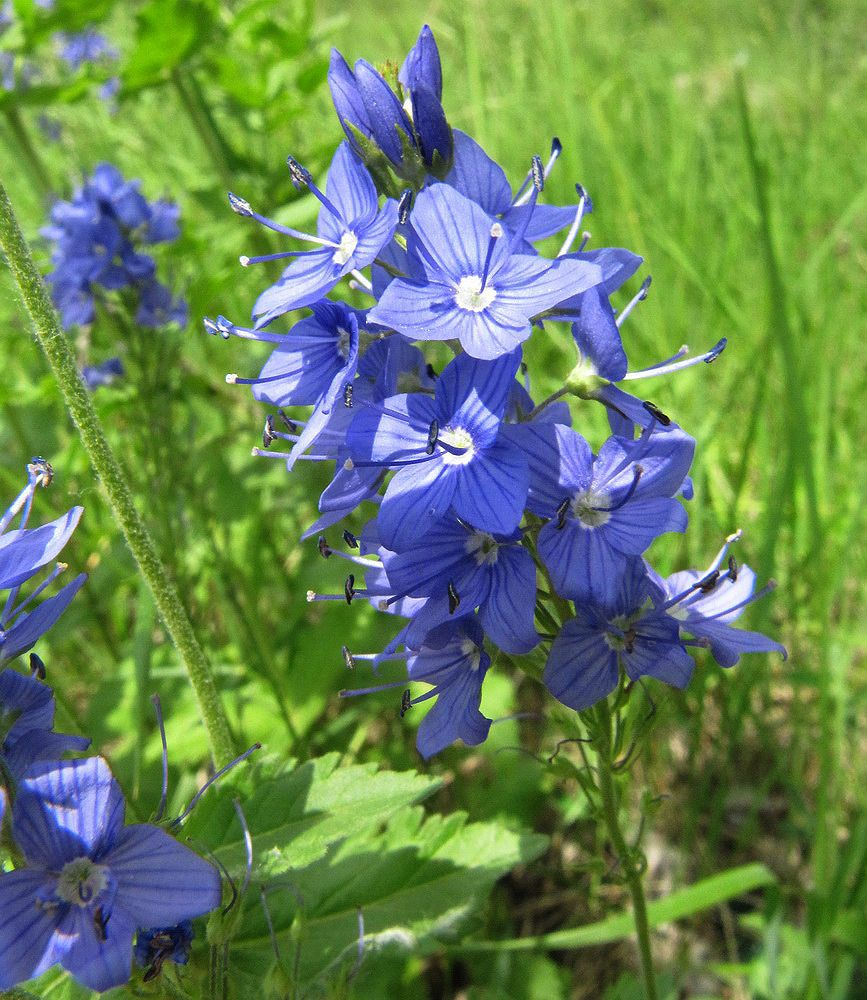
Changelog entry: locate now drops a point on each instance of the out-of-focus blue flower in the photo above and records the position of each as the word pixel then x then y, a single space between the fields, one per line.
pixel 407 130
pixel 96 237
pixel 96 376
pixel 351 229
pixel 27 723
pixel 80 47
pixel 468 283
pixel 90 881
pixel 157 945
pixel 23 553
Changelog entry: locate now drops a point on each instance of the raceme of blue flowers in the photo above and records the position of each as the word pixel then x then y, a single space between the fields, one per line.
pixel 88 886
pixel 98 239
pixel 496 524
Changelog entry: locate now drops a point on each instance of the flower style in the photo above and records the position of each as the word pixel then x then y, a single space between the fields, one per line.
pixel 90 881
pixel 467 281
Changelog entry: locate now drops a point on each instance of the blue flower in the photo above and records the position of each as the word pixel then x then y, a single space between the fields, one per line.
pixel 447 451
pixel 26 725
pixel 412 135
pixel 584 663
pixel 351 229
pixel 96 376
pixel 79 47
pixel 705 604
pixel 458 569
pixel 156 945
pixel 468 283
pixel 477 177
pixel 601 511
pixel 96 237
pixel 90 881
pixel 23 553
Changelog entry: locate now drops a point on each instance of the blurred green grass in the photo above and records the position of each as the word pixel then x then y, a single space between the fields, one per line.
pixel 748 201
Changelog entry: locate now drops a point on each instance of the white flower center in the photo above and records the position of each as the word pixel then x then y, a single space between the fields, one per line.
pixel 458 438
pixel 588 508
pixel 81 882
pixel 484 547
pixel 348 243
pixel 470 295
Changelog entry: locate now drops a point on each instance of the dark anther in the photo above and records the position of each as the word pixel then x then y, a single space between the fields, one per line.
pixel 100 920
pixel 350 539
pixel 710 583
pixel 562 511
pixel 290 425
pixel 404 205
pixel 347 395
pixel 432 436
pixel 299 176
pixel 655 411
pixel 349 588
pixel 538 172
pixel 524 368
pixel 454 598
pixel 732 574
pixel 37 667
pixel 431 371
pixel 629 638
pixel 268 432
pixel 556 146
pixel 39 467
pixel 348 658
pixel 324 547
pixel 405 703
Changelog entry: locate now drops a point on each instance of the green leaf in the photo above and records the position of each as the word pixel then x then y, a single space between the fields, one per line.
pixel 295 814
pixel 415 883
pixel 683 903
pixel 168 32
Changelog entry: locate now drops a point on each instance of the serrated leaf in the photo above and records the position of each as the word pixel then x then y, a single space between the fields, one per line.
pixel 415 883
pixel 295 815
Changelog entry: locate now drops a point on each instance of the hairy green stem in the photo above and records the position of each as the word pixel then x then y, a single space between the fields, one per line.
pixel 625 856
pixel 62 363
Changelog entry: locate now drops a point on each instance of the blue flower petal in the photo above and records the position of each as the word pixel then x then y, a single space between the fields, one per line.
pixel 28 629
pixel 491 490
pixel 384 111
pixel 66 809
pixel 26 550
pixel 416 499
pixel 455 716
pixel 30 940
pixel 455 232
pixel 581 668
pixel 160 881
pixel 597 336
pixel 303 282
pixel 478 177
pixel 473 394
pixel 101 964
pixel 351 191
pixel 347 99
pixel 507 616
pixel 422 65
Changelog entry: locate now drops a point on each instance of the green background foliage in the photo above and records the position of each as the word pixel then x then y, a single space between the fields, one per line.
pixel 724 142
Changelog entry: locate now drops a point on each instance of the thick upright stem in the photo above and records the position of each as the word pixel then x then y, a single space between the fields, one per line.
pixel 28 150
pixel 60 358
pixel 624 855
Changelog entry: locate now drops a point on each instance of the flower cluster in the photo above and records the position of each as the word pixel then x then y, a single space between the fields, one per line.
pixel 497 522
pixel 88 46
pixel 98 237
pixel 89 882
